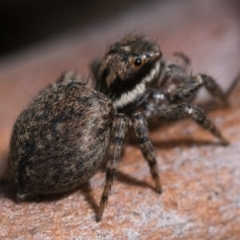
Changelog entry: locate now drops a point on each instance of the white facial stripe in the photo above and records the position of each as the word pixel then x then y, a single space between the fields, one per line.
pixel 130 96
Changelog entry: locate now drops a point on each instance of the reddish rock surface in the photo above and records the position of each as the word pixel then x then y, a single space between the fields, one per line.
pixel 200 178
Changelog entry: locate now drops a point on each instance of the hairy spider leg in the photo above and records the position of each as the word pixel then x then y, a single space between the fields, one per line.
pixel 187 86
pixel 172 73
pixel 183 110
pixel 118 134
pixel 141 132
pixel 187 90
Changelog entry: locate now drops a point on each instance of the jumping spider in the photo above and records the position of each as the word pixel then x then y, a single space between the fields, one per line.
pixel 63 137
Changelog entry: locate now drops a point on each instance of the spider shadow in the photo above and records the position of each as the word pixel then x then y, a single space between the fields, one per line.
pixel 87 191
pixel 9 190
pixel 127 179
pixel 183 142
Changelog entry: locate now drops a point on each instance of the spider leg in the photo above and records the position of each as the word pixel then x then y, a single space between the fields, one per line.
pixel 118 133
pixel 174 73
pixel 186 60
pixel 171 73
pixel 187 90
pixel 183 110
pixel 141 132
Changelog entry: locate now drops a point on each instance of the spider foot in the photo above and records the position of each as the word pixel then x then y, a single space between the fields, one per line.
pixel 224 141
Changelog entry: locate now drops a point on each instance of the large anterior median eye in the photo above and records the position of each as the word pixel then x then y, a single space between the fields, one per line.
pixel 138 62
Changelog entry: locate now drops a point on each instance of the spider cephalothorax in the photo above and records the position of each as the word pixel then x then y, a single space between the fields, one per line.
pixel 69 130
pixel 136 78
pixel 127 69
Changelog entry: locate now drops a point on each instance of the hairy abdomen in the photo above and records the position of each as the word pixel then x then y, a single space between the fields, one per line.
pixel 60 140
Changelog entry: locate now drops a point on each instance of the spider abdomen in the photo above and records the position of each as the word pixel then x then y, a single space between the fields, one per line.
pixel 60 140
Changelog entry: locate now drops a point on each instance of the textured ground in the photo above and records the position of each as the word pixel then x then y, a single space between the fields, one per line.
pixel 200 178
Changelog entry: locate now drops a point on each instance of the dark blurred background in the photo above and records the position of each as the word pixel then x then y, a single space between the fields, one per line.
pixel 24 22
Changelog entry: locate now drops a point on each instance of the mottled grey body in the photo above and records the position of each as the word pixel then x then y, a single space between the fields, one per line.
pixel 60 140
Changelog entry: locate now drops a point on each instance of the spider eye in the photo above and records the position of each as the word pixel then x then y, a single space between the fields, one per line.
pixel 138 62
